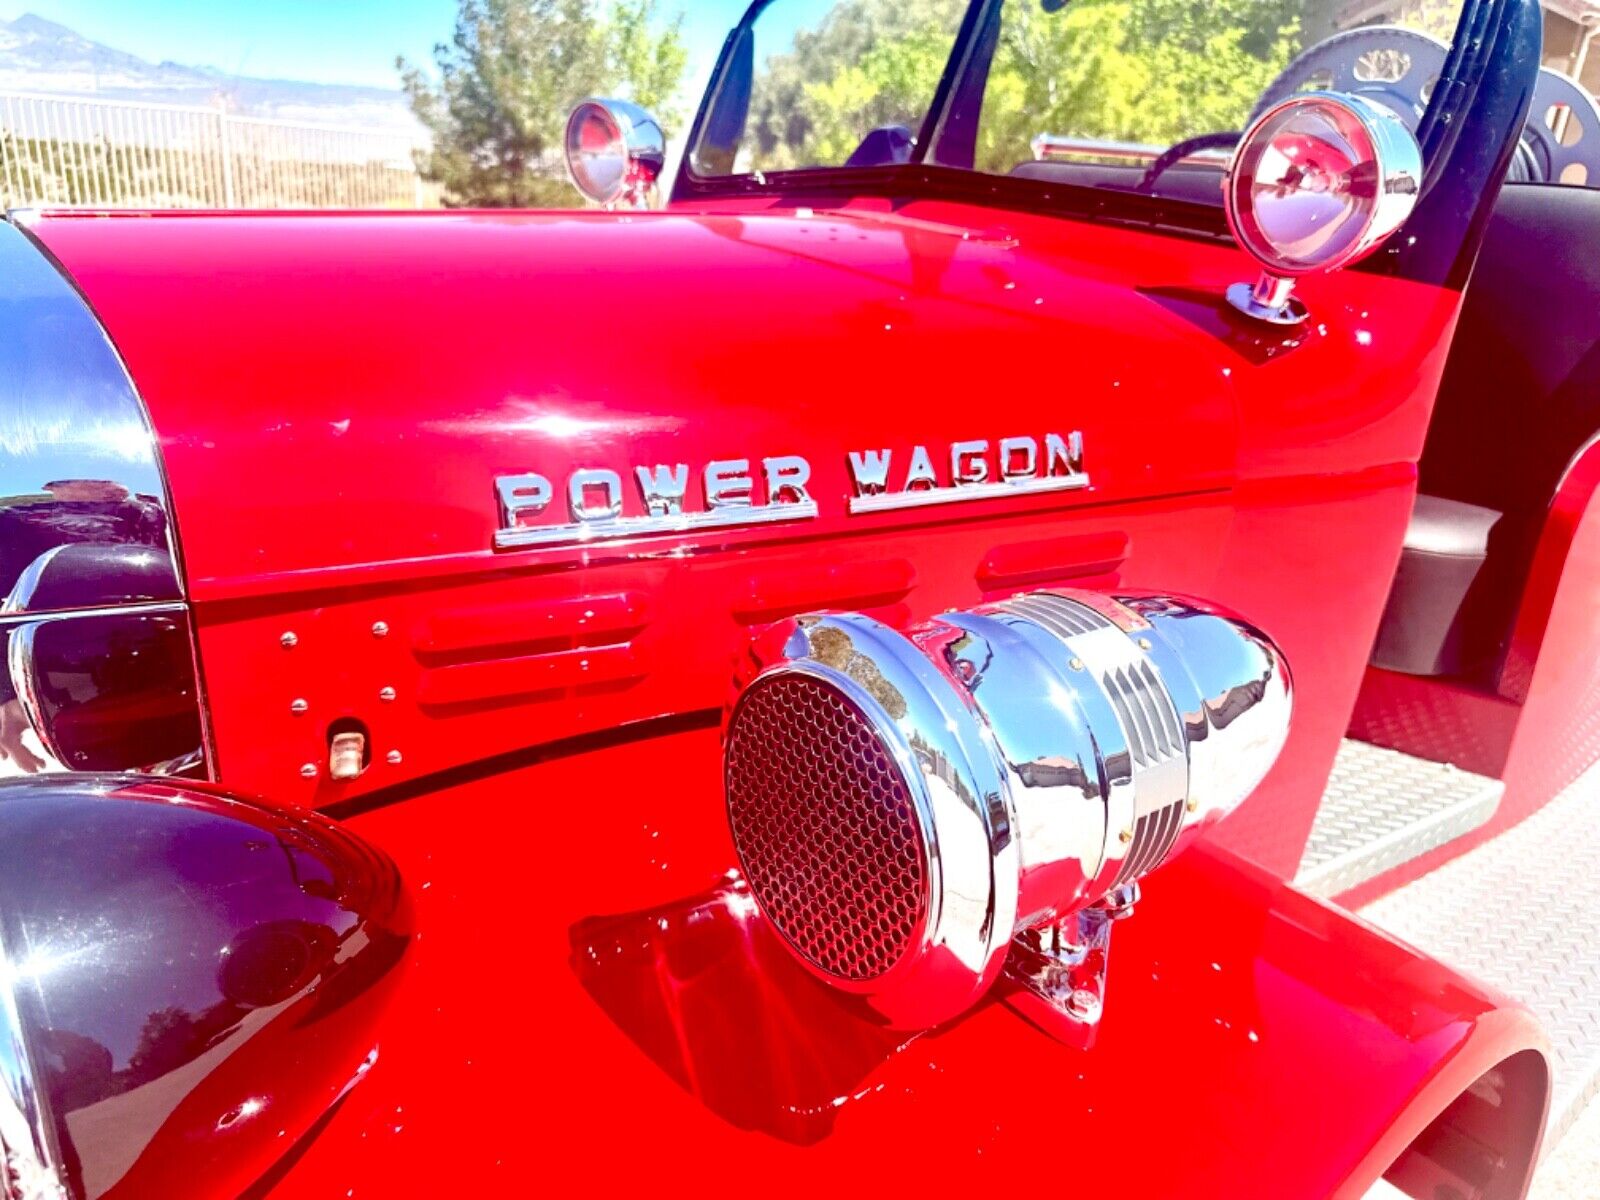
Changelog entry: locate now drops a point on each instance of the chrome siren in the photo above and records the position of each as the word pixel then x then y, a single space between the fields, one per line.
pixel 909 807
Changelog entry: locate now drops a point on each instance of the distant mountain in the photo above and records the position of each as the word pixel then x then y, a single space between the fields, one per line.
pixel 37 55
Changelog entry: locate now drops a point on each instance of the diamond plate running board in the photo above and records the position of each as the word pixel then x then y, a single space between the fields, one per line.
pixel 1382 809
pixel 1522 912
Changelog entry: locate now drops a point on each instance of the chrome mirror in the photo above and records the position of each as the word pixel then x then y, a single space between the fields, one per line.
pixel 616 152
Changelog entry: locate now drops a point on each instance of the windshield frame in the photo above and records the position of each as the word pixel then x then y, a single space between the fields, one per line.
pixel 955 67
pixel 920 179
pixel 1468 136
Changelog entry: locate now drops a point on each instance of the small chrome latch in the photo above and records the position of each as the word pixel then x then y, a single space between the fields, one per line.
pixel 347 755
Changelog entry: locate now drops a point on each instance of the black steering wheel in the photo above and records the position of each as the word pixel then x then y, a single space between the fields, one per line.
pixel 1174 155
pixel 1399 68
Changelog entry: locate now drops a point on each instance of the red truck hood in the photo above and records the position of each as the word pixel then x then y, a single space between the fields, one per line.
pixel 336 395
pixel 364 380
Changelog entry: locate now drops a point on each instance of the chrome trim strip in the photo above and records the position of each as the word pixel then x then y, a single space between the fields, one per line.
pixel 1572 465
pixel 615 529
pixel 1049 147
pixel 55 665
pixel 79 462
pixel 28 581
pixel 895 501
pixel 19 657
pixel 153 608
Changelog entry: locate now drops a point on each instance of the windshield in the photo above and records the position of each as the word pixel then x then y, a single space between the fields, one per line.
pixel 1087 92
pixel 814 79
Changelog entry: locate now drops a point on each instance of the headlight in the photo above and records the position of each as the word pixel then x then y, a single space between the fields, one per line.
pixel 188 983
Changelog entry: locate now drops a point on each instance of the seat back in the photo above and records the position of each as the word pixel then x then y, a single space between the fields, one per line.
pixel 1521 390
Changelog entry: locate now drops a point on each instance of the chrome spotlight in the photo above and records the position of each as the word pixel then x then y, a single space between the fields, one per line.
pixel 908 808
pixel 1317 183
pixel 615 152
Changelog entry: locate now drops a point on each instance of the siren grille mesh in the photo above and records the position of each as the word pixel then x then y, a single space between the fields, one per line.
pixel 825 826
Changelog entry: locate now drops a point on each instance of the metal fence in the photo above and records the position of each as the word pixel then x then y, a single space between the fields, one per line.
pixel 61 150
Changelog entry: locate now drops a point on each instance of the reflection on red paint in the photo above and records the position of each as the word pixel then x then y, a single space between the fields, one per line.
pixel 706 990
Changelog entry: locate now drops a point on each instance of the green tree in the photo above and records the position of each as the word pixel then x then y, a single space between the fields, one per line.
pixel 510 75
pixel 1154 71
pixel 867 63
pixel 1142 70
pixel 648 65
pixel 1438 17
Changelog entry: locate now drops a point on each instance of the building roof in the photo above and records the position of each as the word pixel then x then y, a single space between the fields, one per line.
pixel 1355 12
pixel 1586 12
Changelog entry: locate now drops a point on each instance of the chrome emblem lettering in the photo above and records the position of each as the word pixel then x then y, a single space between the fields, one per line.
pixel 607 505
pixel 581 490
pixel 663 489
pixel 870 471
pixel 1016 468
pixel 599 512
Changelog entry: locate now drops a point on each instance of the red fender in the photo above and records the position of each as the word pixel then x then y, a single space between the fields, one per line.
pixel 1539 733
pixel 1256 1042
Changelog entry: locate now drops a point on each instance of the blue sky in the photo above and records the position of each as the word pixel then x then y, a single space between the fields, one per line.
pixel 327 41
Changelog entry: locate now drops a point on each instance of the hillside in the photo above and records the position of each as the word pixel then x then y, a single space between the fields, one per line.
pixel 37 55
